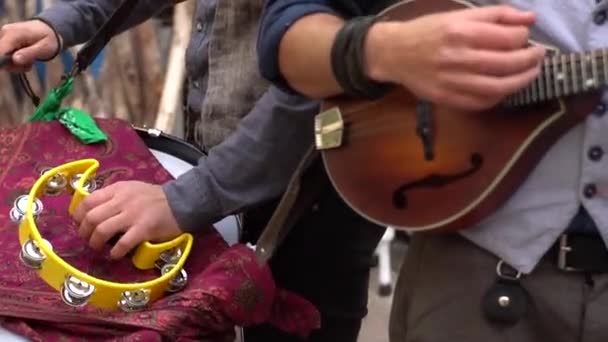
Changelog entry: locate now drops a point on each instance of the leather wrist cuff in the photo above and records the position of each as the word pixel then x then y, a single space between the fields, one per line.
pixel 347 60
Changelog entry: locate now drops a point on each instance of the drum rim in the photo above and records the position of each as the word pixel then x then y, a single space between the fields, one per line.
pixel 170 144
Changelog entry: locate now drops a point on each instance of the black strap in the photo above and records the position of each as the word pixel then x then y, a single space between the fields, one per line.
pixel 347 60
pixel 87 54
pixel 294 201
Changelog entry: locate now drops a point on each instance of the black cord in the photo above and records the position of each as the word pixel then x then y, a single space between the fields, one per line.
pixel 25 83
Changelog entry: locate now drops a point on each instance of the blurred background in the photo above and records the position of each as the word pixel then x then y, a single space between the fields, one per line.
pixel 128 79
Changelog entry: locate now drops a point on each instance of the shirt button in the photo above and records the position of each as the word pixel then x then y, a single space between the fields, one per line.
pixel 595 153
pixel 195 84
pixel 600 109
pixel 600 17
pixel 199 26
pixel 589 190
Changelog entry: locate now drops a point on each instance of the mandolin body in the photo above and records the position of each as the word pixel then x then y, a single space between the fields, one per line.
pixel 479 159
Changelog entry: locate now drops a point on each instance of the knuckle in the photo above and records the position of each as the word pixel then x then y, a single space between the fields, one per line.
pixel 517 37
pixel 453 32
pixel 445 57
pixel 104 232
pixel 122 245
pixel 87 203
pixel 92 219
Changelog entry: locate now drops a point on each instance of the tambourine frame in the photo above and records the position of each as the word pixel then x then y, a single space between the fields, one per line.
pixel 105 294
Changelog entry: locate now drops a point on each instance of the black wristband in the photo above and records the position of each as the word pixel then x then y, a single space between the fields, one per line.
pixel 347 60
pixel 59 45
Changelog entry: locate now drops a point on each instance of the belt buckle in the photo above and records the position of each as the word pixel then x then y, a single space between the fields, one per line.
pixel 564 248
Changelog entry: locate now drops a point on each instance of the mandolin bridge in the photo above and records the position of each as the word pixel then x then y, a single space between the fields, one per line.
pixel 329 129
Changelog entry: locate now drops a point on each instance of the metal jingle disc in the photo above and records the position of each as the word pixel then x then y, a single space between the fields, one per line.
pixel 16 216
pixel 159 264
pixel 88 186
pixel 67 298
pixel 134 300
pixel 76 292
pixel 171 256
pixel 178 282
pixel 21 205
pixel 56 184
pixel 31 255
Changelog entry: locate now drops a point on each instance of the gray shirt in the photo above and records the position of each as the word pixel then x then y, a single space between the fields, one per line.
pixel 540 210
pixel 255 134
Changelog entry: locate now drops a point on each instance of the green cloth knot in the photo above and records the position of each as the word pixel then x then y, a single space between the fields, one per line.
pixel 79 123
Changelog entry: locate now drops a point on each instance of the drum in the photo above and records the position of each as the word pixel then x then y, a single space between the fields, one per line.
pixel 36 309
pixel 177 157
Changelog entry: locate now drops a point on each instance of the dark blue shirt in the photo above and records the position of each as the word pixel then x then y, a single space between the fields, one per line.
pixel 279 15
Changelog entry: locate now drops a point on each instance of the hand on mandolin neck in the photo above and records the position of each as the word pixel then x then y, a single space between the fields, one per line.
pixel 468 59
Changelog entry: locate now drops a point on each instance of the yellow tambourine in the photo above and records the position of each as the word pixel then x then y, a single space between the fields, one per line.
pixel 78 288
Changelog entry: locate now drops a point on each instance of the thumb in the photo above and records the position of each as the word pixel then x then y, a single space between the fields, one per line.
pixel 501 14
pixel 43 49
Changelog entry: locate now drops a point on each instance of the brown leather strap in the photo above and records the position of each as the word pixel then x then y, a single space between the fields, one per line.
pixel 294 202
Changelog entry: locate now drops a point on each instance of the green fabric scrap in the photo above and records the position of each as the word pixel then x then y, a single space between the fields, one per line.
pixel 79 123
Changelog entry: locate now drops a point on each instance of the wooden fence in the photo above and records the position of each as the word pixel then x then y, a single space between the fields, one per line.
pixel 138 77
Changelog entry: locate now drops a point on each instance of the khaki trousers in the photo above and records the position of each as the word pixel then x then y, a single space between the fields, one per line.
pixel 444 277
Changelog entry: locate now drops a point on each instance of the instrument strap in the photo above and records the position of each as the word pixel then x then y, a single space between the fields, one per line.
pixel 294 202
pixel 87 54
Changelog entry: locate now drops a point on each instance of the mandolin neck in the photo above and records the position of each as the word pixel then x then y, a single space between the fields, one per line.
pixel 564 75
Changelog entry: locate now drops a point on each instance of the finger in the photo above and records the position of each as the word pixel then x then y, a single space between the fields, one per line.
pixel 466 102
pixel 488 86
pixel 92 201
pixel 501 14
pixel 96 217
pixel 127 242
pixel 43 49
pixel 498 63
pixel 107 230
pixel 490 36
pixel 9 41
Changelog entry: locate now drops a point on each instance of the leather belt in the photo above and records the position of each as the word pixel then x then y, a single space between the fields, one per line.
pixel 580 253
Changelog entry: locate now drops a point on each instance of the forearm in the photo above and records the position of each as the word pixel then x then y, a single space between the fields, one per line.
pixel 277 19
pixel 305 55
pixel 251 166
pixel 78 20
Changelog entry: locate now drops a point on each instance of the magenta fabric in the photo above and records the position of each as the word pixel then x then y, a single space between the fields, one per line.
pixel 226 286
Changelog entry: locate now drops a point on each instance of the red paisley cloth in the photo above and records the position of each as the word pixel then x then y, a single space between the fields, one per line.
pixel 226 286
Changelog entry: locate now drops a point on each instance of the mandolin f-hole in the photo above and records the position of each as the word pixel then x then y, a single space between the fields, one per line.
pixel 400 200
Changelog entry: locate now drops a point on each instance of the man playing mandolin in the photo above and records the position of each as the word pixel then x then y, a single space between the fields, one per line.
pixel 535 268
pixel 244 124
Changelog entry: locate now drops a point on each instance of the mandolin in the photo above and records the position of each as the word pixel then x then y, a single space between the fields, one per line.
pixel 417 166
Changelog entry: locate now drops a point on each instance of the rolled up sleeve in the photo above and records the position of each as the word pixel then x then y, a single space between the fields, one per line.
pixel 277 18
